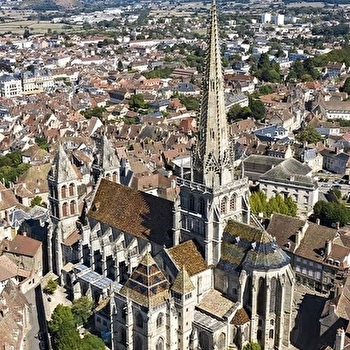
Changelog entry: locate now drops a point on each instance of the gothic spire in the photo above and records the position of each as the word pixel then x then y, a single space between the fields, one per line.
pixel 62 169
pixel 213 159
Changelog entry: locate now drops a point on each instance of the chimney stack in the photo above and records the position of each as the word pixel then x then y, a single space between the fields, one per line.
pixel 328 247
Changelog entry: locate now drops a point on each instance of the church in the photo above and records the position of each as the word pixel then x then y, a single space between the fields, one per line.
pixel 196 273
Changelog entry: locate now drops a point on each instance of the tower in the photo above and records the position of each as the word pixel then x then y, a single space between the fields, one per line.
pixel 214 193
pixel 63 183
pixel 106 163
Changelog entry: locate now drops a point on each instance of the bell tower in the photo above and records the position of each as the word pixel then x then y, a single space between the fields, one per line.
pixel 214 194
pixel 214 158
pixel 63 197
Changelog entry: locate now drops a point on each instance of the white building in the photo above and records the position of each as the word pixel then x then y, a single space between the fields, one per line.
pixel 10 86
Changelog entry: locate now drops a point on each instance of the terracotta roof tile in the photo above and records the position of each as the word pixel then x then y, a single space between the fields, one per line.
pixel 23 245
pixel 186 255
pixel 138 213
pixel 216 304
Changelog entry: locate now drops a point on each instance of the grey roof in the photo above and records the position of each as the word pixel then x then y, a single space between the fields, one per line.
pixel 249 248
pixel 206 322
pixel 290 170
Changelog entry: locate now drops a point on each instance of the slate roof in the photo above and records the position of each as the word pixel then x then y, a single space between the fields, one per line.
pixel 290 169
pixel 186 255
pixel 137 213
pixel 247 247
pixel 147 285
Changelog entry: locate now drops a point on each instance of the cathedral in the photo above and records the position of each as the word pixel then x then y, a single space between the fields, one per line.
pixel 196 273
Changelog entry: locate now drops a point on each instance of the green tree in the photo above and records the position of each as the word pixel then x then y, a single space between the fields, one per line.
pixel 265 90
pixel 92 342
pixel 191 103
pixel 330 212
pixel 346 86
pixel 137 101
pixel 291 205
pixel 42 142
pixel 258 202
pixel 257 108
pixel 50 287
pixel 63 330
pixel 309 135
pixel 234 113
pixel 93 112
pixel 37 200
pixel 277 204
pixel 120 66
pixel 252 346
pixel 82 309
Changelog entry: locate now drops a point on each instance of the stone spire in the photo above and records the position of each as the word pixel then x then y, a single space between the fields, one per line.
pixel 107 158
pixel 213 159
pixel 62 169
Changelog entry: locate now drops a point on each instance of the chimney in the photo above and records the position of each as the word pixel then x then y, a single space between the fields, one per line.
pixel 328 247
pixel 318 220
pixel 340 339
pixel 298 238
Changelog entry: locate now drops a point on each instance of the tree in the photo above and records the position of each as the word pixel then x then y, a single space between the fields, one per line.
pixel 346 86
pixel 82 309
pixel 137 101
pixel 265 90
pixel 63 330
pixel 257 108
pixel 51 286
pixel 277 204
pixel 252 346
pixel 191 103
pixel 42 142
pixel 330 212
pixel 309 135
pixel 37 200
pixel 92 342
pixel 258 202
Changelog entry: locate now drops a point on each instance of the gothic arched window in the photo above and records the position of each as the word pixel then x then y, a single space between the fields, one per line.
pixel 64 191
pixel 223 205
pixel 72 207
pixel 261 297
pixel 273 294
pixel 122 333
pixel 271 333
pixel 108 176
pixel 201 206
pixel 138 343
pixel 71 189
pixel 203 340
pixel 233 202
pixel 139 320
pixel 191 202
pixel 159 321
pixel 64 209
pixel 115 177
pixel 160 344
